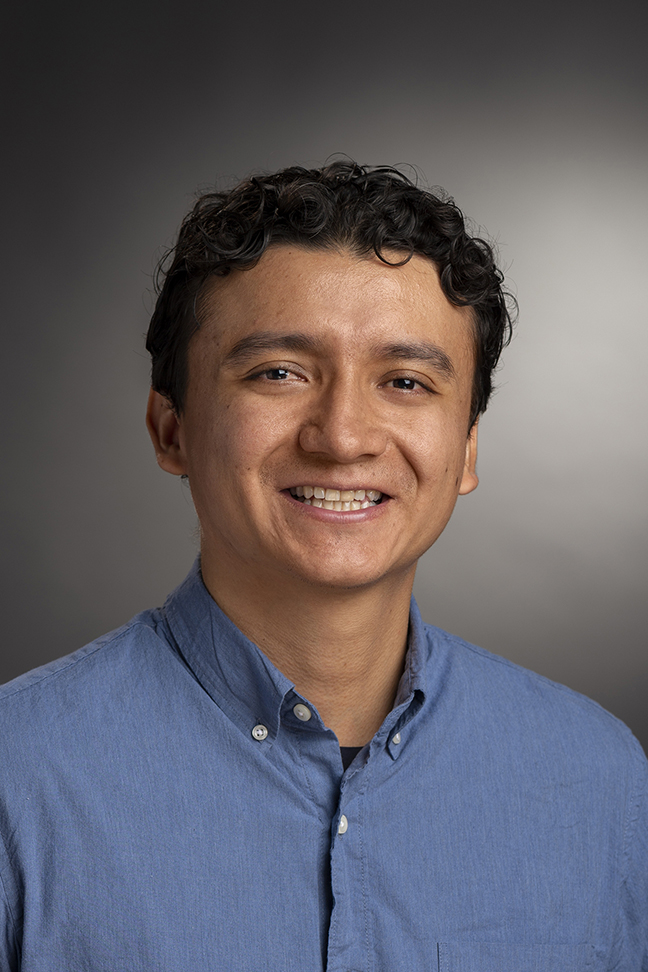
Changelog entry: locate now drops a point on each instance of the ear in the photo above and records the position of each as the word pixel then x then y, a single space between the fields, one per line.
pixel 470 480
pixel 165 431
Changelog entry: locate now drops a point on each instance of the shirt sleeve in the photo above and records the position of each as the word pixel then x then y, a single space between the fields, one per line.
pixel 8 948
pixel 632 943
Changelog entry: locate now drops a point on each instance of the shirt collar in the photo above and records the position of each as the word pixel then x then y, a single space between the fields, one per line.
pixel 244 683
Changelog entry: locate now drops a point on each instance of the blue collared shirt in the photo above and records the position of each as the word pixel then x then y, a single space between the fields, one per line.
pixel 167 804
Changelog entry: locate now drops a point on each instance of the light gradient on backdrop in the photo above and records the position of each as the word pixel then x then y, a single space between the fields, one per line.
pixel 533 121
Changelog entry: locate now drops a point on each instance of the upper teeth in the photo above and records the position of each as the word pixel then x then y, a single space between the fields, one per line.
pixel 344 499
pixel 346 495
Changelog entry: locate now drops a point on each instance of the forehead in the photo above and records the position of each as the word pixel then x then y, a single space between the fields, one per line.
pixel 346 302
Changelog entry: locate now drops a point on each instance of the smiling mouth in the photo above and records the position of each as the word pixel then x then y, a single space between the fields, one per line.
pixel 341 500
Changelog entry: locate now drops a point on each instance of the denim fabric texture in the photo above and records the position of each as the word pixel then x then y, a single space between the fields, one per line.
pixel 146 828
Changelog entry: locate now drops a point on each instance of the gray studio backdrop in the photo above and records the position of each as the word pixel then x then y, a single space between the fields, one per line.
pixel 533 118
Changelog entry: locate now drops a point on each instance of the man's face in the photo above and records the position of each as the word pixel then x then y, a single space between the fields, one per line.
pixel 318 370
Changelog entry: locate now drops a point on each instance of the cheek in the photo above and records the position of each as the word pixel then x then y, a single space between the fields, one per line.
pixel 232 442
pixel 436 452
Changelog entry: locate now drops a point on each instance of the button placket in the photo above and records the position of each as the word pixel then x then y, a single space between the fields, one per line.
pixel 348 946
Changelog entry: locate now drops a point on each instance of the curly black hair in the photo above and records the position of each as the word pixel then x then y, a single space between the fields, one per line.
pixel 366 210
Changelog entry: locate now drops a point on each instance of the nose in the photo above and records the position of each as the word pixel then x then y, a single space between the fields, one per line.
pixel 342 425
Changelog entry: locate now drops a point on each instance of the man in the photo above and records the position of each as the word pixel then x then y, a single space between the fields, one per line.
pixel 284 768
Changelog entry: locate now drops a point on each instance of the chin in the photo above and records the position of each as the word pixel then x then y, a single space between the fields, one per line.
pixel 341 578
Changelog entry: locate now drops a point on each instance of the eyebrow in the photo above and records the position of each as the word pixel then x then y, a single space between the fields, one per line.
pixel 248 347
pixel 261 341
pixel 418 351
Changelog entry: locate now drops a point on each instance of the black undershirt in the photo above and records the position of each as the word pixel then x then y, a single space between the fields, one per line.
pixel 348 754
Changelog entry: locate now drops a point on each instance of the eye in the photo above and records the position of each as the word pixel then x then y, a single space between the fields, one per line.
pixel 407 384
pixel 272 374
pixel 275 374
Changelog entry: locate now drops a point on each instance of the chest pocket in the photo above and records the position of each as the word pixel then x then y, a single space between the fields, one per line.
pixel 486 957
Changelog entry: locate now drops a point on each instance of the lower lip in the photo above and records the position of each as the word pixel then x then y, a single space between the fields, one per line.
pixel 337 516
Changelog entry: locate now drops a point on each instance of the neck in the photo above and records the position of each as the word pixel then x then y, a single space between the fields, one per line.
pixel 344 650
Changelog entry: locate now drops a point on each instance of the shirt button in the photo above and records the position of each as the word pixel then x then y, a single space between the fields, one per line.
pixel 343 825
pixel 259 733
pixel 302 712
pixel 396 739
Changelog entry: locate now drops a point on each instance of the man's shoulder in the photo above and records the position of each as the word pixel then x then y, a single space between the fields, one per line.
pixel 98 669
pixel 513 702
